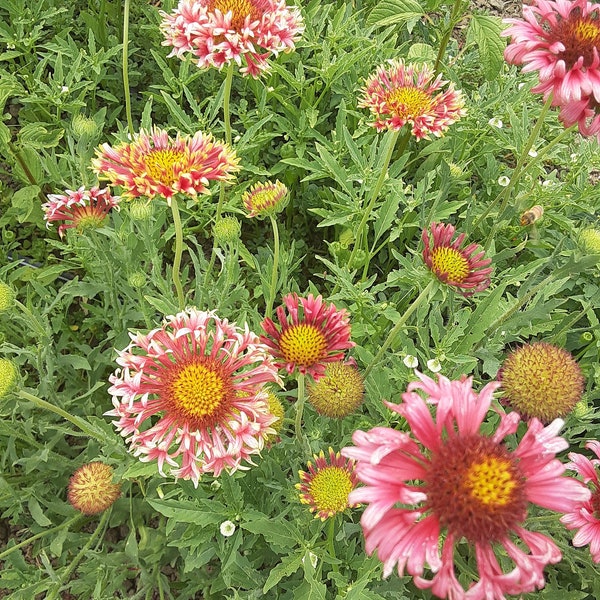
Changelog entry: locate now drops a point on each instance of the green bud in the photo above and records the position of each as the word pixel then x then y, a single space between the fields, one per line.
pixel 7 297
pixel 586 336
pixel 227 230
pixel 8 235
pixel 346 238
pixel 141 209
pixel 589 240
pixel 84 126
pixel 8 377
pixel 137 280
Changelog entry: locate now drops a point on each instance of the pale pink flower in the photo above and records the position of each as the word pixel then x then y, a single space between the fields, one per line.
pixel 191 394
pixel 586 515
pixel 397 94
pixel 217 32
pixel 561 40
pixel 314 334
pixel 80 209
pixel 445 481
pixel 155 164
pixel 584 113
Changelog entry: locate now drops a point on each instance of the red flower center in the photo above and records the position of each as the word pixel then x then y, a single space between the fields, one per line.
pixel 449 264
pixel 476 489
pixel 240 9
pixel 303 344
pixel 579 36
pixel 162 165
pixel 198 392
pixel 408 102
pixel 596 503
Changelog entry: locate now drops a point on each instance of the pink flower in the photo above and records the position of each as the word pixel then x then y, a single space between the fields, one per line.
pixel 317 334
pixel 191 395
pixel 584 113
pixel 80 209
pixel 398 94
pixel 585 517
pixel 445 480
pixel 559 39
pixel 154 164
pixel 455 266
pixel 217 32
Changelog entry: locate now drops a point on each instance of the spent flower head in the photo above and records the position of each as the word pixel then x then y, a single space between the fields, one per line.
pixel 541 380
pixel 397 94
pixel 227 230
pixel 265 199
pixel 464 268
pixel 91 489
pixel 220 32
pixel 444 481
pixel 327 484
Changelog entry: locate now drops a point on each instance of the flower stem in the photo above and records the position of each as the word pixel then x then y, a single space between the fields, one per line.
pixel 272 288
pixel 67 573
pixel 75 420
pixel 400 324
pixel 178 252
pixel 37 536
pixel 456 11
pixel 227 123
pixel 125 65
pixel 300 407
pixel 330 539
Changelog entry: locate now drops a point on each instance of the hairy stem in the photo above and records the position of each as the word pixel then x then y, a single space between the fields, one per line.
pixel 178 252
pixel 272 288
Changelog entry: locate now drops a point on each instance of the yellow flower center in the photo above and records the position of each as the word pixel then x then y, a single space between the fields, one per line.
pixel 330 488
pixel 339 393
pixel 491 481
pixel 579 36
pixel 303 344
pixel 449 264
pixel 198 390
pixel 587 31
pixel 240 9
pixel 408 102
pixel 91 489
pixel 163 165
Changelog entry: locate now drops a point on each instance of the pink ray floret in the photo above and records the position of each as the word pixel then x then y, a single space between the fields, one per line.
pixel 191 395
pixel 397 94
pixel 444 481
pixel 219 32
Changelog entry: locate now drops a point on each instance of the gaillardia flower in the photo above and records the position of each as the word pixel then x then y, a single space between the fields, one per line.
pixel 81 209
pixel 397 94
pixel 339 392
pixel 561 40
pixel 264 199
pixel 327 485
pixel 155 164
pixel 218 32
pixel 91 489
pixel 459 267
pixel 445 481
pixel 317 334
pixel 191 394
pixel 541 380
pixel 586 515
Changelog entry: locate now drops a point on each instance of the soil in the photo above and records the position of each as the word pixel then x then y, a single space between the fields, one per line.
pixel 500 8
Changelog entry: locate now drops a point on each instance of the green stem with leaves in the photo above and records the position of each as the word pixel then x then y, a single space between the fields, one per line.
pixel 330 541
pixel 273 286
pixel 424 295
pixel 455 16
pixel 300 407
pixel 178 251
pixel 125 67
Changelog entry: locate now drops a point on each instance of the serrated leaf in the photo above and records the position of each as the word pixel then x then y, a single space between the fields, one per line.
pixel 389 12
pixel 161 305
pixel 288 566
pixel 24 201
pixel 275 531
pixel 484 31
pixel 37 513
pixel 385 216
pixel 310 590
pixel 421 53
pixel 36 135
pixel 183 511
pixel 140 469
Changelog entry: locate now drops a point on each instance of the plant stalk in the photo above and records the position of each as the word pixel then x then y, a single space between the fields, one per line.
pixel 456 10
pixel 178 252
pixel 273 286
pixel 300 407
pixel 125 67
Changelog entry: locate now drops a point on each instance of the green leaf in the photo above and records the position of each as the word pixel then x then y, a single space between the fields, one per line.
pixel 25 200
pixel 386 216
pixel 184 511
pixel 390 12
pixel 35 135
pixel 37 513
pixel 289 564
pixel 275 531
pixel 162 306
pixel 484 31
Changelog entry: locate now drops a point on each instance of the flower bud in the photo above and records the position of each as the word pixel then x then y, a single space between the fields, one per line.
pixel 83 126
pixel 140 209
pixel 227 231
pixel 7 297
pixel 9 375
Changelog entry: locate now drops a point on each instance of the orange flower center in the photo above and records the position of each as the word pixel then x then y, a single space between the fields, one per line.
pixel 408 102
pixel 579 36
pixel 164 165
pixel 240 9
pixel 330 488
pixel 198 392
pixel 449 264
pixel 476 489
pixel 303 344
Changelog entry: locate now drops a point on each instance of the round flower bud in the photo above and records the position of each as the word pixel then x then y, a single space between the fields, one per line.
pixel 582 409
pixel 227 528
pixel 589 240
pixel 412 362
pixel 264 199
pixel 541 380
pixel 84 126
pixel 91 490
pixel 9 375
pixel 137 280
pixel 339 392
pixel 7 297
pixel 140 209
pixel 227 231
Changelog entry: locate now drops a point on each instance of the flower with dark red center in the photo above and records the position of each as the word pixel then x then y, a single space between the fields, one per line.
pixel 327 485
pixel 561 40
pixel 264 199
pixel 586 515
pixel 154 164
pixel 541 380
pixel 397 94
pixel 81 209
pixel 317 334
pixel 191 395
pixel 218 32
pixel 91 489
pixel 463 268
pixel 445 481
